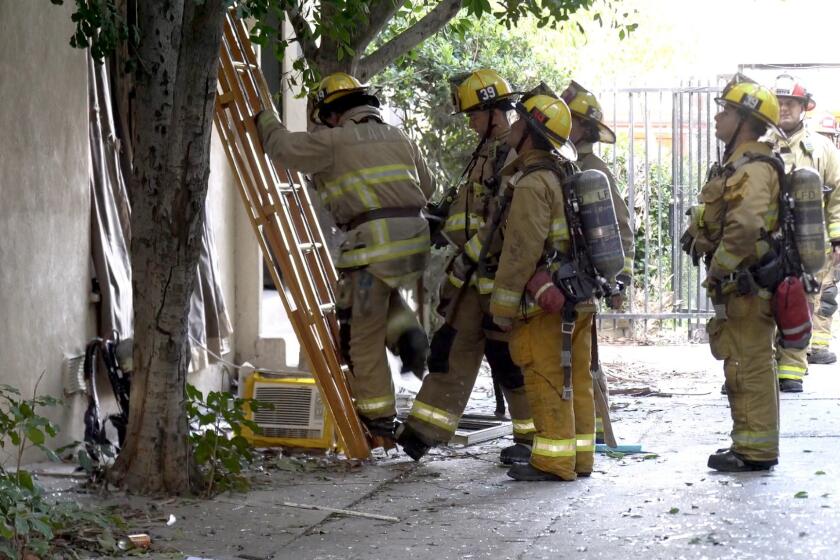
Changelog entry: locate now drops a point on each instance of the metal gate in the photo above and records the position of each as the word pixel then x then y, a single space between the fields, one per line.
pixel 666 144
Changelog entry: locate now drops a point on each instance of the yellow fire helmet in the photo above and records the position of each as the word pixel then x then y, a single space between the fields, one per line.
pixel 583 104
pixel 759 101
pixel 334 87
pixel 553 119
pixel 480 90
pixel 787 86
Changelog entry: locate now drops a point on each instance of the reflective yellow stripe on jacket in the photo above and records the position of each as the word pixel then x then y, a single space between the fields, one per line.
pixel 458 221
pixel 383 252
pixel 360 183
pixel 484 284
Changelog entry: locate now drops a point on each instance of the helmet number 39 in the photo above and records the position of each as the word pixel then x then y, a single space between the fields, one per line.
pixel 486 93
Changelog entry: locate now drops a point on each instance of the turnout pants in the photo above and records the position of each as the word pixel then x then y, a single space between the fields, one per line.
pixel 372 306
pixel 565 440
pixel 824 304
pixel 793 362
pixel 744 341
pixel 443 397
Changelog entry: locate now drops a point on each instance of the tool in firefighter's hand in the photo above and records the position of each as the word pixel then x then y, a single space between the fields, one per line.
pixel 601 392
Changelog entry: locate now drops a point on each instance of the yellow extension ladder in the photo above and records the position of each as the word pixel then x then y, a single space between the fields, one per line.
pixel 288 232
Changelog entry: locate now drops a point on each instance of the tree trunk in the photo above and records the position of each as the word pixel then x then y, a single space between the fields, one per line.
pixel 173 118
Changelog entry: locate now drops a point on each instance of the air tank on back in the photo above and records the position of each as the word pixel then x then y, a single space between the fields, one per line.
pixel 806 191
pixel 600 226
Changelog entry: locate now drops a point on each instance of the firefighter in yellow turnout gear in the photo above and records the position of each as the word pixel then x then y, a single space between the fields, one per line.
pixel 374 182
pixel 472 225
pixel 739 200
pixel 800 148
pixel 588 127
pixel 564 444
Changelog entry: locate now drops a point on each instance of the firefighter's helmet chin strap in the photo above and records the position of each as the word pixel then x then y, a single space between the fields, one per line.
pixel 484 138
pixel 730 146
pixel 522 139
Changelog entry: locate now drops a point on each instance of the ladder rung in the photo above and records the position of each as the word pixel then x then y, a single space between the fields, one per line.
pixel 226 98
pixel 327 307
pixel 309 247
pixel 243 65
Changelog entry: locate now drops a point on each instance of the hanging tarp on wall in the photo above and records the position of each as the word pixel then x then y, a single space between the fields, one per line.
pixel 209 323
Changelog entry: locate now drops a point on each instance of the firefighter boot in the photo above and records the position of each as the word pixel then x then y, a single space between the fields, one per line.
pixel 726 460
pixel 790 385
pixel 381 431
pixel 412 347
pixel 527 473
pixel 822 355
pixel 515 454
pixel 411 442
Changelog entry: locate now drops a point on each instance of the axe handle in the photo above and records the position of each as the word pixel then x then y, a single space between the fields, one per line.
pixel 599 384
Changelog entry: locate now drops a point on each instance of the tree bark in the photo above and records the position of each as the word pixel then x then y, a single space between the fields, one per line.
pixel 173 110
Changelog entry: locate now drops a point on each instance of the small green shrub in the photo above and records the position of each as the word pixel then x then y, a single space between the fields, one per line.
pixel 219 449
pixel 29 521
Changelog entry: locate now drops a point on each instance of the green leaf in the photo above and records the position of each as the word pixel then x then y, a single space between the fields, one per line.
pixel 51 455
pixel 35 435
pixel 801 494
pixel 232 464
pixel 674 510
pixel 202 452
pixel 41 527
pixel 819 472
pixel 6 530
pixel 25 479
pixel 85 461
pixel 21 526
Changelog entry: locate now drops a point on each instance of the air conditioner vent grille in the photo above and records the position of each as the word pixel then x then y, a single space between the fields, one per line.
pixel 292 406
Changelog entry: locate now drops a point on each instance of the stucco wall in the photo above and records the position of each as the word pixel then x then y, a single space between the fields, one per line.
pixel 44 200
pixel 45 312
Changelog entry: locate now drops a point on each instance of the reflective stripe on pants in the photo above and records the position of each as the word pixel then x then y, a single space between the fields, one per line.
pixel 535 347
pixel 745 343
pixel 448 393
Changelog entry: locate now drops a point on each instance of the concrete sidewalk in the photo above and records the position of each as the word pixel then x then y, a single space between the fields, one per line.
pixel 458 503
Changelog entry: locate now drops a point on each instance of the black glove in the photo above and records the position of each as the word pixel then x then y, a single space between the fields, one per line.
pixel 688 247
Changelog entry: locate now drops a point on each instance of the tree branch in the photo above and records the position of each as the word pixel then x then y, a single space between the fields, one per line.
pixel 381 12
pixel 408 39
pixel 303 32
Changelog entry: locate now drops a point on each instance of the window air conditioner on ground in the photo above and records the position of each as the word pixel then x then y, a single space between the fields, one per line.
pixel 298 417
